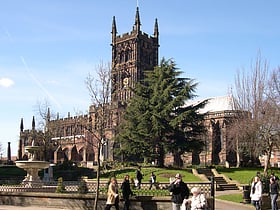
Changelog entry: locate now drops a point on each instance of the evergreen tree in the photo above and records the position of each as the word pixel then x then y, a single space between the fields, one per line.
pixel 157 120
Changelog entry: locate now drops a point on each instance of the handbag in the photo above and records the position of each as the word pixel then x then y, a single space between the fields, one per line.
pixel 183 207
pixel 205 206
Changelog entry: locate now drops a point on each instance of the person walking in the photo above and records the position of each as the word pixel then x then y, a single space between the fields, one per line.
pixel 139 177
pixel 152 180
pixel 126 192
pixel 276 178
pixel 256 192
pixel 180 191
pixel 273 191
pixel 113 196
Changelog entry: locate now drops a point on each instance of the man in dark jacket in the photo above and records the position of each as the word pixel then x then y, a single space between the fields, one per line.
pixel 126 192
pixel 180 191
pixel 139 177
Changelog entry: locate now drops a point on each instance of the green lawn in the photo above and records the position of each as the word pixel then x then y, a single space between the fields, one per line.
pixel 244 175
pixel 162 174
pixel 237 198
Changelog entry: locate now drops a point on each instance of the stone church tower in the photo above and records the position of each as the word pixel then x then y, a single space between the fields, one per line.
pixel 132 53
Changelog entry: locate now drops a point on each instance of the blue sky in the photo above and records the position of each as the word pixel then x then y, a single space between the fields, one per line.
pixel 47 48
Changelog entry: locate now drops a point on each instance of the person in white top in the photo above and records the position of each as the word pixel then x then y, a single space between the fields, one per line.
pixel 198 200
pixel 256 192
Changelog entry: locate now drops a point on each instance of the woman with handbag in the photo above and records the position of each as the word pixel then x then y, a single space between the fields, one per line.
pixel 113 196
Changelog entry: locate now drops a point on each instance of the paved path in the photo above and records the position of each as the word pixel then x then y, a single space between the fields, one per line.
pixel 222 204
pixel 4 207
pixel 226 205
pixel 219 204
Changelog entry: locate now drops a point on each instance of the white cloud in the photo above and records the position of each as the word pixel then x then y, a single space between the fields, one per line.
pixel 6 82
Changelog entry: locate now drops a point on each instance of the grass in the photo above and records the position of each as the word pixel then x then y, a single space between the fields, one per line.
pixel 242 175
pixel 162 174
pixel 237 198
pixel 245 175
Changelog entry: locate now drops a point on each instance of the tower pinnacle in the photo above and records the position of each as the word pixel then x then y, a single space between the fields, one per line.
pixel 156 33
pixel 33 123
pixel 137 21
pixel 114 30
pixel 21 125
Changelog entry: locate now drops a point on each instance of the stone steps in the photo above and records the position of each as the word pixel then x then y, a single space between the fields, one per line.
pixel 221 183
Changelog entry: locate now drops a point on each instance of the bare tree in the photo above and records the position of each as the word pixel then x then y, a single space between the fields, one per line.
pixel 275 86
pixel 238 142
pixel 270 129
pixel 254 130
pixel 43 115
pixel 99 88
pixel 41 110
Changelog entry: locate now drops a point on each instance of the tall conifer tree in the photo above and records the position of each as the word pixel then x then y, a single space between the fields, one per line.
pixel 157 120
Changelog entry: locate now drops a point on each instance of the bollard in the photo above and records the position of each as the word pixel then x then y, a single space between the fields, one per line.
pixel 213 190
pixel 246 194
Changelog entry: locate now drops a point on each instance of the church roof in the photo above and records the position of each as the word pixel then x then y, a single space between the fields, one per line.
pixel 216 104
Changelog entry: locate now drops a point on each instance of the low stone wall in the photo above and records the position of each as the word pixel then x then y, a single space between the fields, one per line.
pixel 81 201
pixel 266 201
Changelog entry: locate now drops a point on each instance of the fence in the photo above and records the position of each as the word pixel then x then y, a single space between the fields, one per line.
pixel 160 189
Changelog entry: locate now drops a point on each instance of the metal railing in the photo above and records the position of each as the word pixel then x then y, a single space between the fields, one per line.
pixel 159 189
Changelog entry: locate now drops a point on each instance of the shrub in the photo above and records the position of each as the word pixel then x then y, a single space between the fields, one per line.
pixel 83 189
pixel 69 171
pixel 60 186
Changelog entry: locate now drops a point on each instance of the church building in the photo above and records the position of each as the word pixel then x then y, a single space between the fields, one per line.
pixel 132 53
